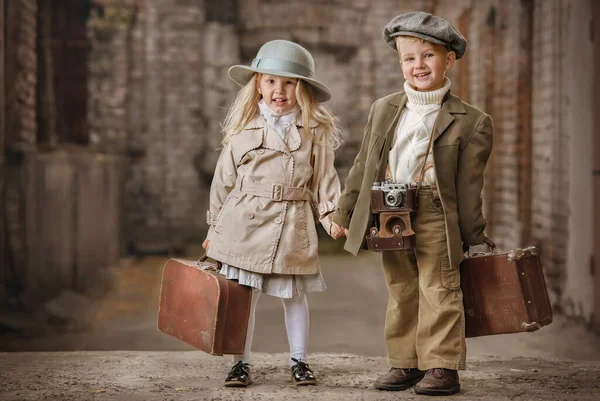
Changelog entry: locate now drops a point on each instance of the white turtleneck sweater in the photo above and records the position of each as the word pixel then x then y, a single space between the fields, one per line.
pixel 412 135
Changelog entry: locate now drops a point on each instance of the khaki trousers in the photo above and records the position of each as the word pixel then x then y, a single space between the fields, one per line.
pixel 425 324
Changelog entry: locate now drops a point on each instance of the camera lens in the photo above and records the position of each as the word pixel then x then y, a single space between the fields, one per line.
pixel 391 199
pixel 394 199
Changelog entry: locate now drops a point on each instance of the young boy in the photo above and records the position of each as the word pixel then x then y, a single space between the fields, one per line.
pixel 424 329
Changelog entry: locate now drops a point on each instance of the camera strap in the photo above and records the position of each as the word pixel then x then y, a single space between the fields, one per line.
pixel 422 175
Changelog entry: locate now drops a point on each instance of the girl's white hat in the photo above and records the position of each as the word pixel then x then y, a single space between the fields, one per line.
pixel 285 59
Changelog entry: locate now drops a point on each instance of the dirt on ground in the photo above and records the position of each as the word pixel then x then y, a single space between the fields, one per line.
pixel 346 349
pixel 192 375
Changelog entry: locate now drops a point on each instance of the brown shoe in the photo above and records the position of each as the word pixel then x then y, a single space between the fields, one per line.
pixel 398 379
pixel 439 381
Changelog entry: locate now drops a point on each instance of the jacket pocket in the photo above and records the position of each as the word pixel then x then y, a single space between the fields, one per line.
pixel 436 204
pixel 450 275
pixel 223 213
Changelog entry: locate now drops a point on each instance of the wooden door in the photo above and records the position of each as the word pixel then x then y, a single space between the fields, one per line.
pixel 70 49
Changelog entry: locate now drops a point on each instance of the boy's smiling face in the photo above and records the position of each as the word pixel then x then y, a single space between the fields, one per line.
pixel 279 93
pixel 424 64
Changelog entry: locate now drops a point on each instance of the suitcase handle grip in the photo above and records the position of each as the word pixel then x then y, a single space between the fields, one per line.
pixel 491 247
pixel 491 244
pixel 207 265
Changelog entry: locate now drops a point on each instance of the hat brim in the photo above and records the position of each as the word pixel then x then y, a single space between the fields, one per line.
pixel 241 74
pixel 392 43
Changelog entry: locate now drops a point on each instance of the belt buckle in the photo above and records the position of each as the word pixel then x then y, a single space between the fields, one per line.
pixel 277 192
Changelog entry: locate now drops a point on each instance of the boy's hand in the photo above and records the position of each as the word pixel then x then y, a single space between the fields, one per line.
pixel 337 231
pixel 206 244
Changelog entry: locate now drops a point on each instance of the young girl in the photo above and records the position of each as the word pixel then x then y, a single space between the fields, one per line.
pixel 275 168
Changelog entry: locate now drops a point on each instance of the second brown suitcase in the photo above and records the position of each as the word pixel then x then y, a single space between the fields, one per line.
pixel 504 293
pixel 202 308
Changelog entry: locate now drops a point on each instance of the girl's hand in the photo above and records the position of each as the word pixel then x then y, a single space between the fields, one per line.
pixel 337 231
pixel 206 244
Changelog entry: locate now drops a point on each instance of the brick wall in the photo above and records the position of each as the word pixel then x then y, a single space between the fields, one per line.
pixel 108 78
pixel 505 219
pixel 179 92
pixel 167 125
pixel 60 206
pixel 20 135
pixel 21 72
pixel 579 107
pixel 549 211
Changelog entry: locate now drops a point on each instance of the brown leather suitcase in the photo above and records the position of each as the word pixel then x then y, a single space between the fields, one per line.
pixel 504 292
pixel 202 308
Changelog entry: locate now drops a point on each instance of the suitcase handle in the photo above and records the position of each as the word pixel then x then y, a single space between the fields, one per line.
pixel 491 244
pixel 207 265
pixel 491 247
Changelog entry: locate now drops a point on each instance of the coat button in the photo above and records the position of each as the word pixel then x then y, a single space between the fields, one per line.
pixel 260 151
pixel 250 215
pixel 277 220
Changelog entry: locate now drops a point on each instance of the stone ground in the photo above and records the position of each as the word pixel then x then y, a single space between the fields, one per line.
pixel 189 375
pixel 121 355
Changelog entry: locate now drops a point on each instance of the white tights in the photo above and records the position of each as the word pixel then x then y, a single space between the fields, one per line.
pixel 296 325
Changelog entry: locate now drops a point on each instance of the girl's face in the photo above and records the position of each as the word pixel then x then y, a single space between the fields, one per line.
pixel 424 64
pixel 279 93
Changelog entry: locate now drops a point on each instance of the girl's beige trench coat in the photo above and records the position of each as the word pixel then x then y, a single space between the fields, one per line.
pixel 262 198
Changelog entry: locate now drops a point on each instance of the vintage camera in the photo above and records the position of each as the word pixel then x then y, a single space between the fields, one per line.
pixel 394 195
pixel 391 204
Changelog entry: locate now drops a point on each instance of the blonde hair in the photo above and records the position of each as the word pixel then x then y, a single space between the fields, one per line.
pixel 245 107
pixel 242 110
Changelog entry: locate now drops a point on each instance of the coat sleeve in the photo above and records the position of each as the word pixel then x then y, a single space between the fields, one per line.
pixel 355 178
pixel 325 185
pixel 223 182
pixel 469 182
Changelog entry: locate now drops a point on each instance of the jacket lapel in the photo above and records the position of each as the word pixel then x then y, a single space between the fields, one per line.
pixel 451 106
pixel 270 138
pixel 397 102
pixel 292 139
pixel 388 119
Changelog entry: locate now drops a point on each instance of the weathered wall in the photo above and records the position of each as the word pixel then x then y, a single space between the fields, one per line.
pixel 550 209
pixel 176 104
pixel 168 123
pixel 515 69
pixel 76 210
pixel 60 202
pixel 578 125
pixel 20 137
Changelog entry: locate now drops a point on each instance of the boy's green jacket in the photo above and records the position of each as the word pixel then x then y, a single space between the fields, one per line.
pixel 463 140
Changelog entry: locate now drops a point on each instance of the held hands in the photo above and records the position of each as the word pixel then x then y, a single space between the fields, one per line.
pixel 338 231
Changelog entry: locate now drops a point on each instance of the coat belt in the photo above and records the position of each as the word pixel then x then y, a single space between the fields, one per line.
pixel 275 192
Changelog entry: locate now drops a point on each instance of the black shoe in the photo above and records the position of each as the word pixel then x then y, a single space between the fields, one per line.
pixel 302 375
pixel 239 376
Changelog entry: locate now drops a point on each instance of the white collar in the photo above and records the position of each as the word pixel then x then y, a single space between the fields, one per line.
pixel 424 98
pixel 278 121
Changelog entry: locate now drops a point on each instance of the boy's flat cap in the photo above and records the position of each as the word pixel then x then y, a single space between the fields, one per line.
pixel 425 26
